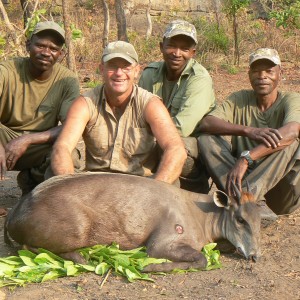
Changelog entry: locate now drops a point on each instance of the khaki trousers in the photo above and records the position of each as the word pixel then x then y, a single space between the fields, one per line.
pixel 276 178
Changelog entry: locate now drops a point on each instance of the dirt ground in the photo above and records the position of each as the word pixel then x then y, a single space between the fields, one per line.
pixel 275 276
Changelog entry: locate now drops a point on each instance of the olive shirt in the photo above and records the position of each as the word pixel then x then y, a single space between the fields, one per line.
pixel 240 108
pixel 27 104
pixel 125 145
pixel 192 96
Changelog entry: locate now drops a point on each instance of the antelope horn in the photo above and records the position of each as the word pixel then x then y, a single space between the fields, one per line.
pixel 236 192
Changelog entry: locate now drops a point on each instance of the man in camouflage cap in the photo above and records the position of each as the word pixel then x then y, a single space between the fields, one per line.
pixel 121 124
pixel 186 89
pixel 35 95
pixel 264 124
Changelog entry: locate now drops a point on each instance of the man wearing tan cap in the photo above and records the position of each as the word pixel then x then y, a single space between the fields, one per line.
pixel 120 124
pixel 35 94
pixel 264 125
pixel 186 89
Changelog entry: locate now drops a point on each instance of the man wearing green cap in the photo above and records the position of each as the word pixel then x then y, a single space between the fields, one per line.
pixel 186 89
pixel 120 124
pixel 264 124
pixel 35 95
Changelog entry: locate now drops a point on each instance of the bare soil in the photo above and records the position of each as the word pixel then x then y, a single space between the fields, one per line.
pixel 275 276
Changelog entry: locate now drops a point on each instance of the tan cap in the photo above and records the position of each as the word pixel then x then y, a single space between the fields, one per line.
pixel 265 53
pixel 120 49
pixel 49 25
pixel 178 27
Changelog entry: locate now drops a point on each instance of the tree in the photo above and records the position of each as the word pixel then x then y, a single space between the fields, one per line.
pixel 28 7
pixel 149 22
pixel 70 57
pixel 232 8
pixel 121 21
pixel 106 24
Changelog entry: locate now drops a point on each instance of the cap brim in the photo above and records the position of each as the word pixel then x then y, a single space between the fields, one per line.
pixel 274 61
pixel 180 33
pixel 108 57
pixel 50 29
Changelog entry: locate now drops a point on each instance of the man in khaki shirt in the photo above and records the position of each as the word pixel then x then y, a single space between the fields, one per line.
pixel 120 124
pixel 35 95
pixel 264 125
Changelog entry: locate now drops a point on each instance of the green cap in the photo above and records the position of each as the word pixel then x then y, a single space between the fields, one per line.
pixel 49 25
pixel 120 49
pixel 265 53
pixel 179 27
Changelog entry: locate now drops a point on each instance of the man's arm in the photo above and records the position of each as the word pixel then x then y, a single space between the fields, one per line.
pixel 77 118
pixel 18 146
pixel 162 126
pixel 268 136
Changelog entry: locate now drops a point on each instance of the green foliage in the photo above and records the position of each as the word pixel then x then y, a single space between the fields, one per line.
pixel 76 33
pixel 287 16
pixel 231 69
pixel 35 18
pixel 231 7
pixel 28 267
pixel 92 84
pixel 2 45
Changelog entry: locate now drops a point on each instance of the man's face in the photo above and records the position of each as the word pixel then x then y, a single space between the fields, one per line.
pixel 264 76
pixel 44 51
pixel 119 75
pixel 177 51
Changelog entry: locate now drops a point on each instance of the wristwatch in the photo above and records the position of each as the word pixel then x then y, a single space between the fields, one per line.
pixel 246 155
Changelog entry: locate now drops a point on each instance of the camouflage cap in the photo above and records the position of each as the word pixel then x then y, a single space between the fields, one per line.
pixel 178 27
pixel 265 53
pixel 120 49
pixel 49 25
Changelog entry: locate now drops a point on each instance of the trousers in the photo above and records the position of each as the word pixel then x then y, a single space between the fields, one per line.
pixel 275 178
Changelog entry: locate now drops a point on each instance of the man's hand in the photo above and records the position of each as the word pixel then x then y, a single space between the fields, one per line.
pixel 2 163
pixel 268 136
pixel 15 149
pixel 235 176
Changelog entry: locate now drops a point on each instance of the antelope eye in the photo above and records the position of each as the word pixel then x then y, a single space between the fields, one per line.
pixel 240 220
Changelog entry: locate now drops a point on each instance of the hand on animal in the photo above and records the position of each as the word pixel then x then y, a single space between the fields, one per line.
pixel 235 176
pixel 14 150
pixel 268 136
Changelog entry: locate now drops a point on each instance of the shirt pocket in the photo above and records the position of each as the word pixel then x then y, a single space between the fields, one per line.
pixel 138 142
pixel 177 104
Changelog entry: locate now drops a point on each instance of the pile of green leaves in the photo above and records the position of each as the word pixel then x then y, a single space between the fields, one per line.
pixel 28 267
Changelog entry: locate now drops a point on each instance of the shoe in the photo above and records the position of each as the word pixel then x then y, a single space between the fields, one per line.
pixel 25 182
pixel 266 213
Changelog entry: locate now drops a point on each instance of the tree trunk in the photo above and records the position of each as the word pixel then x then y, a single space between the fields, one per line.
pixel 106 24
pixel 28 7
pixel 121 21
pixel 70 55
pixel 236 42
pixel 149 22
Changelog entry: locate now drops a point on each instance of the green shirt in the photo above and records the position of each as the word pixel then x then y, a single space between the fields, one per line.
pixel 27 104
pixel 192 96
pixel 240 108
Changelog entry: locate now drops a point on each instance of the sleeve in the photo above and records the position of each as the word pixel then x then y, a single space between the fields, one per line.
pixel 199 100
pixel 71 92
pixel 225 110
pixel 292 108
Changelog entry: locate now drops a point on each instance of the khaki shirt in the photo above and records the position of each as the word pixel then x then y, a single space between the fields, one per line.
pixel 192 96
pixel 126 145
pixel 240 108
pixel 27 104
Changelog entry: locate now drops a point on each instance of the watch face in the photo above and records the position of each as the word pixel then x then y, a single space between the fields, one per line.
pixel 245 153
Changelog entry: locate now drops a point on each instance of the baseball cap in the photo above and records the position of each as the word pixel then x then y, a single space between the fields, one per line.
pixel 120 49
pixel 49 25
pixel 265 53
pixel 178 27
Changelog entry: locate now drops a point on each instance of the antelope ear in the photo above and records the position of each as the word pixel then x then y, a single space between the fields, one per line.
pixel 221 199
